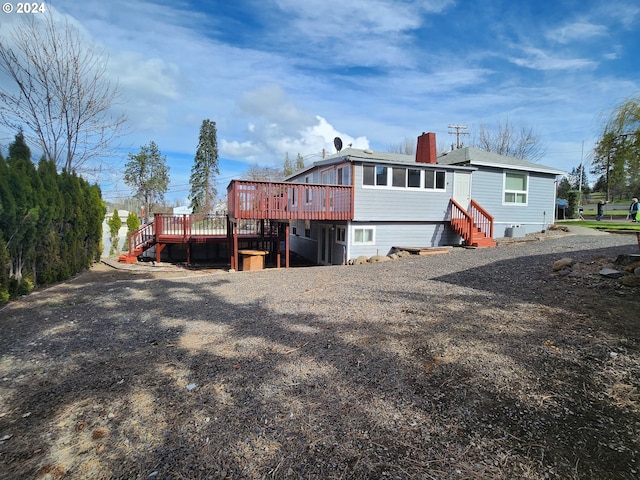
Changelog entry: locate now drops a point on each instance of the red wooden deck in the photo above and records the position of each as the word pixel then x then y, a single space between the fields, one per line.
pixel 289 201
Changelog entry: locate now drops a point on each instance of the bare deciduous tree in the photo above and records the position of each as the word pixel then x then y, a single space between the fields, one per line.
pixel 511 141
pixel 58 91
pixel 257 173
pixel 406 147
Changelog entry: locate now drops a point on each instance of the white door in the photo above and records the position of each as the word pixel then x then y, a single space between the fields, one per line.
pixel 462 188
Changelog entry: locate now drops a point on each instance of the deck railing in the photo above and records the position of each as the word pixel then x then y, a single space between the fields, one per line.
pixel 289 201
pixel 189 225
pixel 142 237
pixel 469 222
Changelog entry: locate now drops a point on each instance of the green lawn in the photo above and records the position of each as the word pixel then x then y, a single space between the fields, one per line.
pixel 605 224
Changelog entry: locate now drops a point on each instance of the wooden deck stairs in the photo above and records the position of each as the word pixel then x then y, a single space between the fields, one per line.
pixel 139 241
pixel 475 226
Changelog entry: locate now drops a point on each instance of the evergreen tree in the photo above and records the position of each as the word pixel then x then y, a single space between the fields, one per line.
pixel 51 224
pixel 299 163
pixel 288 166
pixel 114 227
pixel 4 273
pixel 133 223
pixel 205 168
pixel 22 230
pixel 148 174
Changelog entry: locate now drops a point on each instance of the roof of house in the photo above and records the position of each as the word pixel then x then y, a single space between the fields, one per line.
pixel 477 158
pixel 357 155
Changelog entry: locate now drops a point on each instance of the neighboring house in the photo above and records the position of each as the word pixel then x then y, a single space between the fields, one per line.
pixel 406 201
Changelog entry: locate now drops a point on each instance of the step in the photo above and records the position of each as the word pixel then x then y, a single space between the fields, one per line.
pixel 126 258
pixel 484 242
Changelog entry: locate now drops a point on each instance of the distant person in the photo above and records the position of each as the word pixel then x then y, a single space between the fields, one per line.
pixel 633 210
pixel 601 204
pixel 580 212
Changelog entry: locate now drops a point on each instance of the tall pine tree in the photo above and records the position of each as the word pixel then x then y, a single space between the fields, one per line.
pixel 205 168
pixel 148 174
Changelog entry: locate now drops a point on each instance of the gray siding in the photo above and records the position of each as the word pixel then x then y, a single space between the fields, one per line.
pixel 392 234
pixel 375 203
pixel 487 190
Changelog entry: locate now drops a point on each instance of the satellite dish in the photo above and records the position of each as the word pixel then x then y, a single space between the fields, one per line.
pixel 337 142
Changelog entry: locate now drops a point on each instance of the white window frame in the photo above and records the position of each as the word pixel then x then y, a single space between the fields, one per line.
pixel 341 232
pixel 435 180
pixel 373 235
pixel 343 175
pixel 506 191
pixel 420 180
pixel 375 176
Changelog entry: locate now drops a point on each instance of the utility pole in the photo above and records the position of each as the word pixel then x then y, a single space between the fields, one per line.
pixel 458 132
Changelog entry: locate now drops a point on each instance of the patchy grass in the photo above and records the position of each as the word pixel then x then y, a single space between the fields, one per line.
pixel 608 225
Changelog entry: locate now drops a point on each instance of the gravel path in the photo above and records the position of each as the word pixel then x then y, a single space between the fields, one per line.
pixel 472 364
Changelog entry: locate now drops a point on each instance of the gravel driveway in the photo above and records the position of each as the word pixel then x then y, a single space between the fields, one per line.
pixel 472 364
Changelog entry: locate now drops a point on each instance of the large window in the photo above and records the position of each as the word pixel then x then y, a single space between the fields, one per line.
pixel 516 186
pixel 413 178
pixel 403 177
pixel 363 235
pixel 434 179
pixel 343 175
pixel 399 177
pixel 374 175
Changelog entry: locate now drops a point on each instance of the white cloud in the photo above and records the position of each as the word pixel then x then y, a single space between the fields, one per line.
pixel 537 59
pixel 577 31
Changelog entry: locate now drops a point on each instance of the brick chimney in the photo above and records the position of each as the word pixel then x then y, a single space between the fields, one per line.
pixel 426 149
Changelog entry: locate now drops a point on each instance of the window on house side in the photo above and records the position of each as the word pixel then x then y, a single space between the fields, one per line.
pixel 343 176
pixel 381 176
pixel 362 235
pixel 434 180
pixel 368 175
pixel 399 177
pixel 413 178
pixel 374 175
pixel 308 195
pixel 515 188
pixel 341 235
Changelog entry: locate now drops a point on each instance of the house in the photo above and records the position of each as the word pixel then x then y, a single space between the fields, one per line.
pixel 466 195
pixel 363 203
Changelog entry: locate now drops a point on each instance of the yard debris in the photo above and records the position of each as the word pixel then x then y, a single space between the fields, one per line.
pixel 562 264
pixel 611 273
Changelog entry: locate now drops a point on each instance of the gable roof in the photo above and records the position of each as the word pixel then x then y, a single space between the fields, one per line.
pixel 476 157
pixel 357 155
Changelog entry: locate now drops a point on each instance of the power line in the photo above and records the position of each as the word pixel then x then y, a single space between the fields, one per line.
pixel 458 132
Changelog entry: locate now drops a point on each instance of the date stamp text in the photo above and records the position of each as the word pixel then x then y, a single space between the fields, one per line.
pixel 26 7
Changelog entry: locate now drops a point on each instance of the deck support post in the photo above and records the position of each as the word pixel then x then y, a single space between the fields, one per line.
pixel 286 245
pixel 278 229
pixel 159 248
pixel 236 265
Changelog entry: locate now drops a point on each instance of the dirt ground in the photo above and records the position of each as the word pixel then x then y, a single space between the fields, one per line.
pixel 403 370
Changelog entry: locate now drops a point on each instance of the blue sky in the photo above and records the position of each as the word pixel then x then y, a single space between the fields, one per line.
pixel 282 76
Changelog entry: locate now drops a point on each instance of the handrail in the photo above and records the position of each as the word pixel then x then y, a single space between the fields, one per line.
pixel 140 237
pixel 288 201
pixel 469 222
pixel 482 219
pixel 462 220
